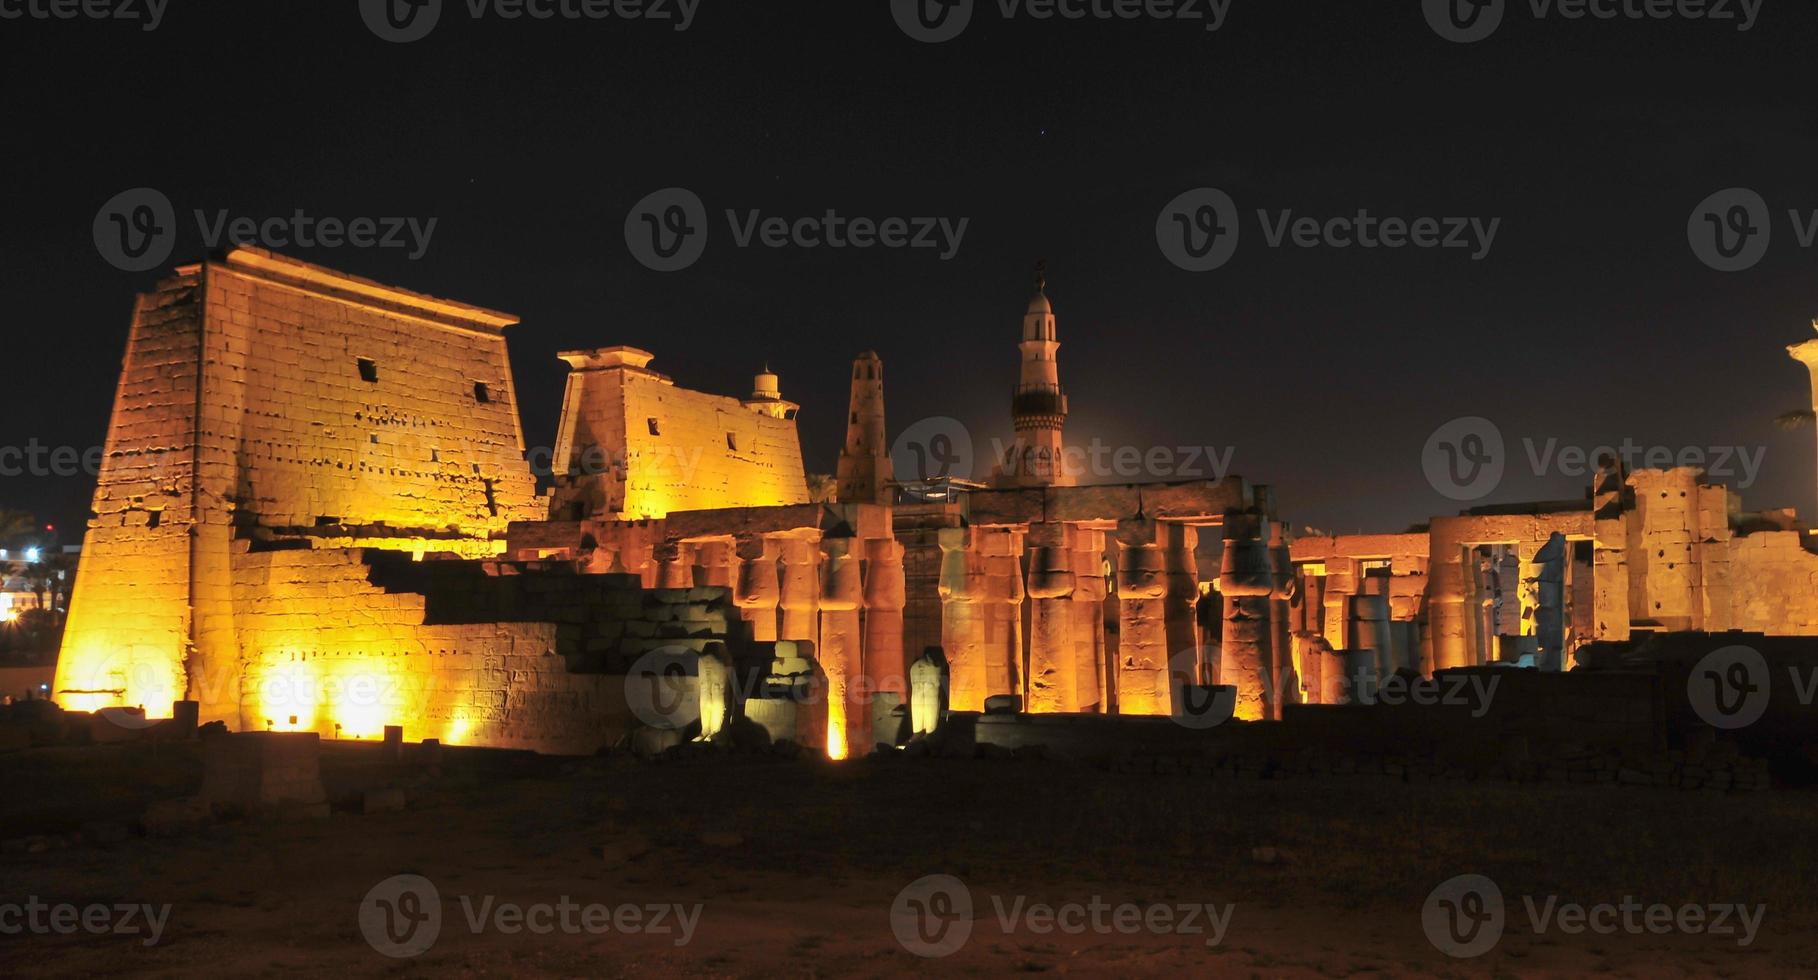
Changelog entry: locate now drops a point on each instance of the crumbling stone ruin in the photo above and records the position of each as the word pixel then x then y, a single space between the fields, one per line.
pixel 315 514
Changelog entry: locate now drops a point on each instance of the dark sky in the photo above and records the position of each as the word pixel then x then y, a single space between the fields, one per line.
pixel 1590 320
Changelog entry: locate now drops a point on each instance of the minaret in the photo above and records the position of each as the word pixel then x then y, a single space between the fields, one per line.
pixel 864 470
pixel 767 396
pixel 1039 406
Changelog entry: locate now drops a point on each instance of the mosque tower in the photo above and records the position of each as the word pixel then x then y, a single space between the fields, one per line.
pixel 864 473
pixel 1039 406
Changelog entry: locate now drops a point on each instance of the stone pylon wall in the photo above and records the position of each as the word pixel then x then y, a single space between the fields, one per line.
pixel 632 444
pixel 266 397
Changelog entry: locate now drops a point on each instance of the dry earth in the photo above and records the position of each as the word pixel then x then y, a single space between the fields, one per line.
pixel 794 866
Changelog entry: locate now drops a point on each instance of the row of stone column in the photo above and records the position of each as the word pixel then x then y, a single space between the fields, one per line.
pixel 843 596
pixel 1066 662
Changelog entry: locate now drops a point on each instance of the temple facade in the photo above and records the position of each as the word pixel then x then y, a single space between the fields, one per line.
pixel 315 513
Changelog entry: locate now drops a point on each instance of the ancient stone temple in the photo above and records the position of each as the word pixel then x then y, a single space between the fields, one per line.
pixel 634 444
pixel 315 514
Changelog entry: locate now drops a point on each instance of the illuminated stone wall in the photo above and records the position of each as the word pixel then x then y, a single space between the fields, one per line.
pixel 328 651
pixel 1667 552
pixel 262 397
pixel 634 445
pixel 129 617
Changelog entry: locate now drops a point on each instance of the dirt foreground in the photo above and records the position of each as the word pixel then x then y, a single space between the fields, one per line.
pixel 761 867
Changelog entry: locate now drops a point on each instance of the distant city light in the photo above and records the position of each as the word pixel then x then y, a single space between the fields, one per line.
pixel 31 554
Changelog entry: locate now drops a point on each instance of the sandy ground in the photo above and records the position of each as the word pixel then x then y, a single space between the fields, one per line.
pixel 793 869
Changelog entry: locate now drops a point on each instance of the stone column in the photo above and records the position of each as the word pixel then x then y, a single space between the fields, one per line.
pixel 636 556
pixel 1609 553
pixel 886 593
pixel 1143 682
pixel 1087 617
pixel 758 590
pixel 1549 617
pixel 962 620
pixel 1286 689
pixel 1370 635
pixel 713 563
pixel 1339 585
pixel 841 655
pixel 801 586
pixel 1247 582
pixel 1002 552
pixel 1180 606
pixel 1053 686
pixel 1529 570
pixel 1447 617
pixel 675 567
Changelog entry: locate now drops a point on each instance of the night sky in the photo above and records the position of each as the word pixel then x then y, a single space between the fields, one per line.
pixel 1590 320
